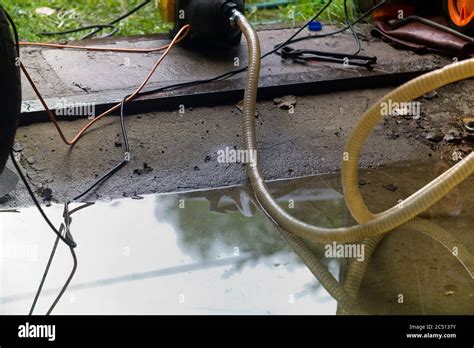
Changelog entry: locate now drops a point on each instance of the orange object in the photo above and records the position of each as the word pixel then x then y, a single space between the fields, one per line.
pixel 182 33
pixel 99 48
pixel 461 12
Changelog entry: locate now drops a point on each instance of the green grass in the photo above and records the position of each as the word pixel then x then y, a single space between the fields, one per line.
pixel 299 12
pixel 70 14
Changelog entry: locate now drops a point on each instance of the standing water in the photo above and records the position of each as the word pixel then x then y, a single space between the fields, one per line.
pixel 215 252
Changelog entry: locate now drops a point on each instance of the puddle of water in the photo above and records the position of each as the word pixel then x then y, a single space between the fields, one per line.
pixel 214 252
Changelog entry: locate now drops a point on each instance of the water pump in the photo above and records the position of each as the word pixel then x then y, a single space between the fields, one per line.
pixel 10 89
pixel 209 20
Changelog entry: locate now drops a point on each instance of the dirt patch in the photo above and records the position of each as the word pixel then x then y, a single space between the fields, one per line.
pixel 442 123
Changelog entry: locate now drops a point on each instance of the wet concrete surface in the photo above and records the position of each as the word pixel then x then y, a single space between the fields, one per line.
pixel 214 252
pixel 180 150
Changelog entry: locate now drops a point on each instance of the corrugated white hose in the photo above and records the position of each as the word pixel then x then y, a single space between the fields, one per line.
pixel 374 224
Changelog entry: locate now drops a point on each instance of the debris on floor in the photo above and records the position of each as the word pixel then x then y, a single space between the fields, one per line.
pixel 286 102
pixel 145 170
pixel 46 194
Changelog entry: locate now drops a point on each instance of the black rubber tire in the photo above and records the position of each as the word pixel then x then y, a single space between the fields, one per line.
pixel 467 29
pixel 10 90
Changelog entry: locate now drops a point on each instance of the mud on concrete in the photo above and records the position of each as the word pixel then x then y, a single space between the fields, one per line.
pixel 171 151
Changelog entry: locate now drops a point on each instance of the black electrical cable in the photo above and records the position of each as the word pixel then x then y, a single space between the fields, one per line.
pixel 69 243
pixel 77 30
pixel 51 257
pixel 120 165
pixel 287 42
pixel 339 31
pixel 68 281
pixel 67 214
pixel 68 240
pixel 115 21
pixel 129 13
pixel 112 33
pixel 349 24
pixel 99 27
pixel 45 274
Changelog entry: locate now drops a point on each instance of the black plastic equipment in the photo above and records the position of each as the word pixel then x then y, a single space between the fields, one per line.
pixel 210 25
pixel 10 89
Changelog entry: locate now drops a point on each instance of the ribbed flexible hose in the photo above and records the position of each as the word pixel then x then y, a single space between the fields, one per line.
pixel 439 187
pixel 373 226
pixel 382 223
pixel 320 271
pixel 412 90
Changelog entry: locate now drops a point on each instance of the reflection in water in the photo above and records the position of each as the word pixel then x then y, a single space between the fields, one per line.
pixel 215 252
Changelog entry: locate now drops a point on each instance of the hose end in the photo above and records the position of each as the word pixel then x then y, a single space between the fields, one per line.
pixel 232 12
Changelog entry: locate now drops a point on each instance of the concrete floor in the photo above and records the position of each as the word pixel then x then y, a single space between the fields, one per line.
pixel 182 149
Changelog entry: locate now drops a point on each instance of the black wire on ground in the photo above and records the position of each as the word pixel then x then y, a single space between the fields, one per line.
pixel 120 165
pixel 112 33
pixel 67 213
pixel 69 243
pixel 65 226
pixel 99 27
